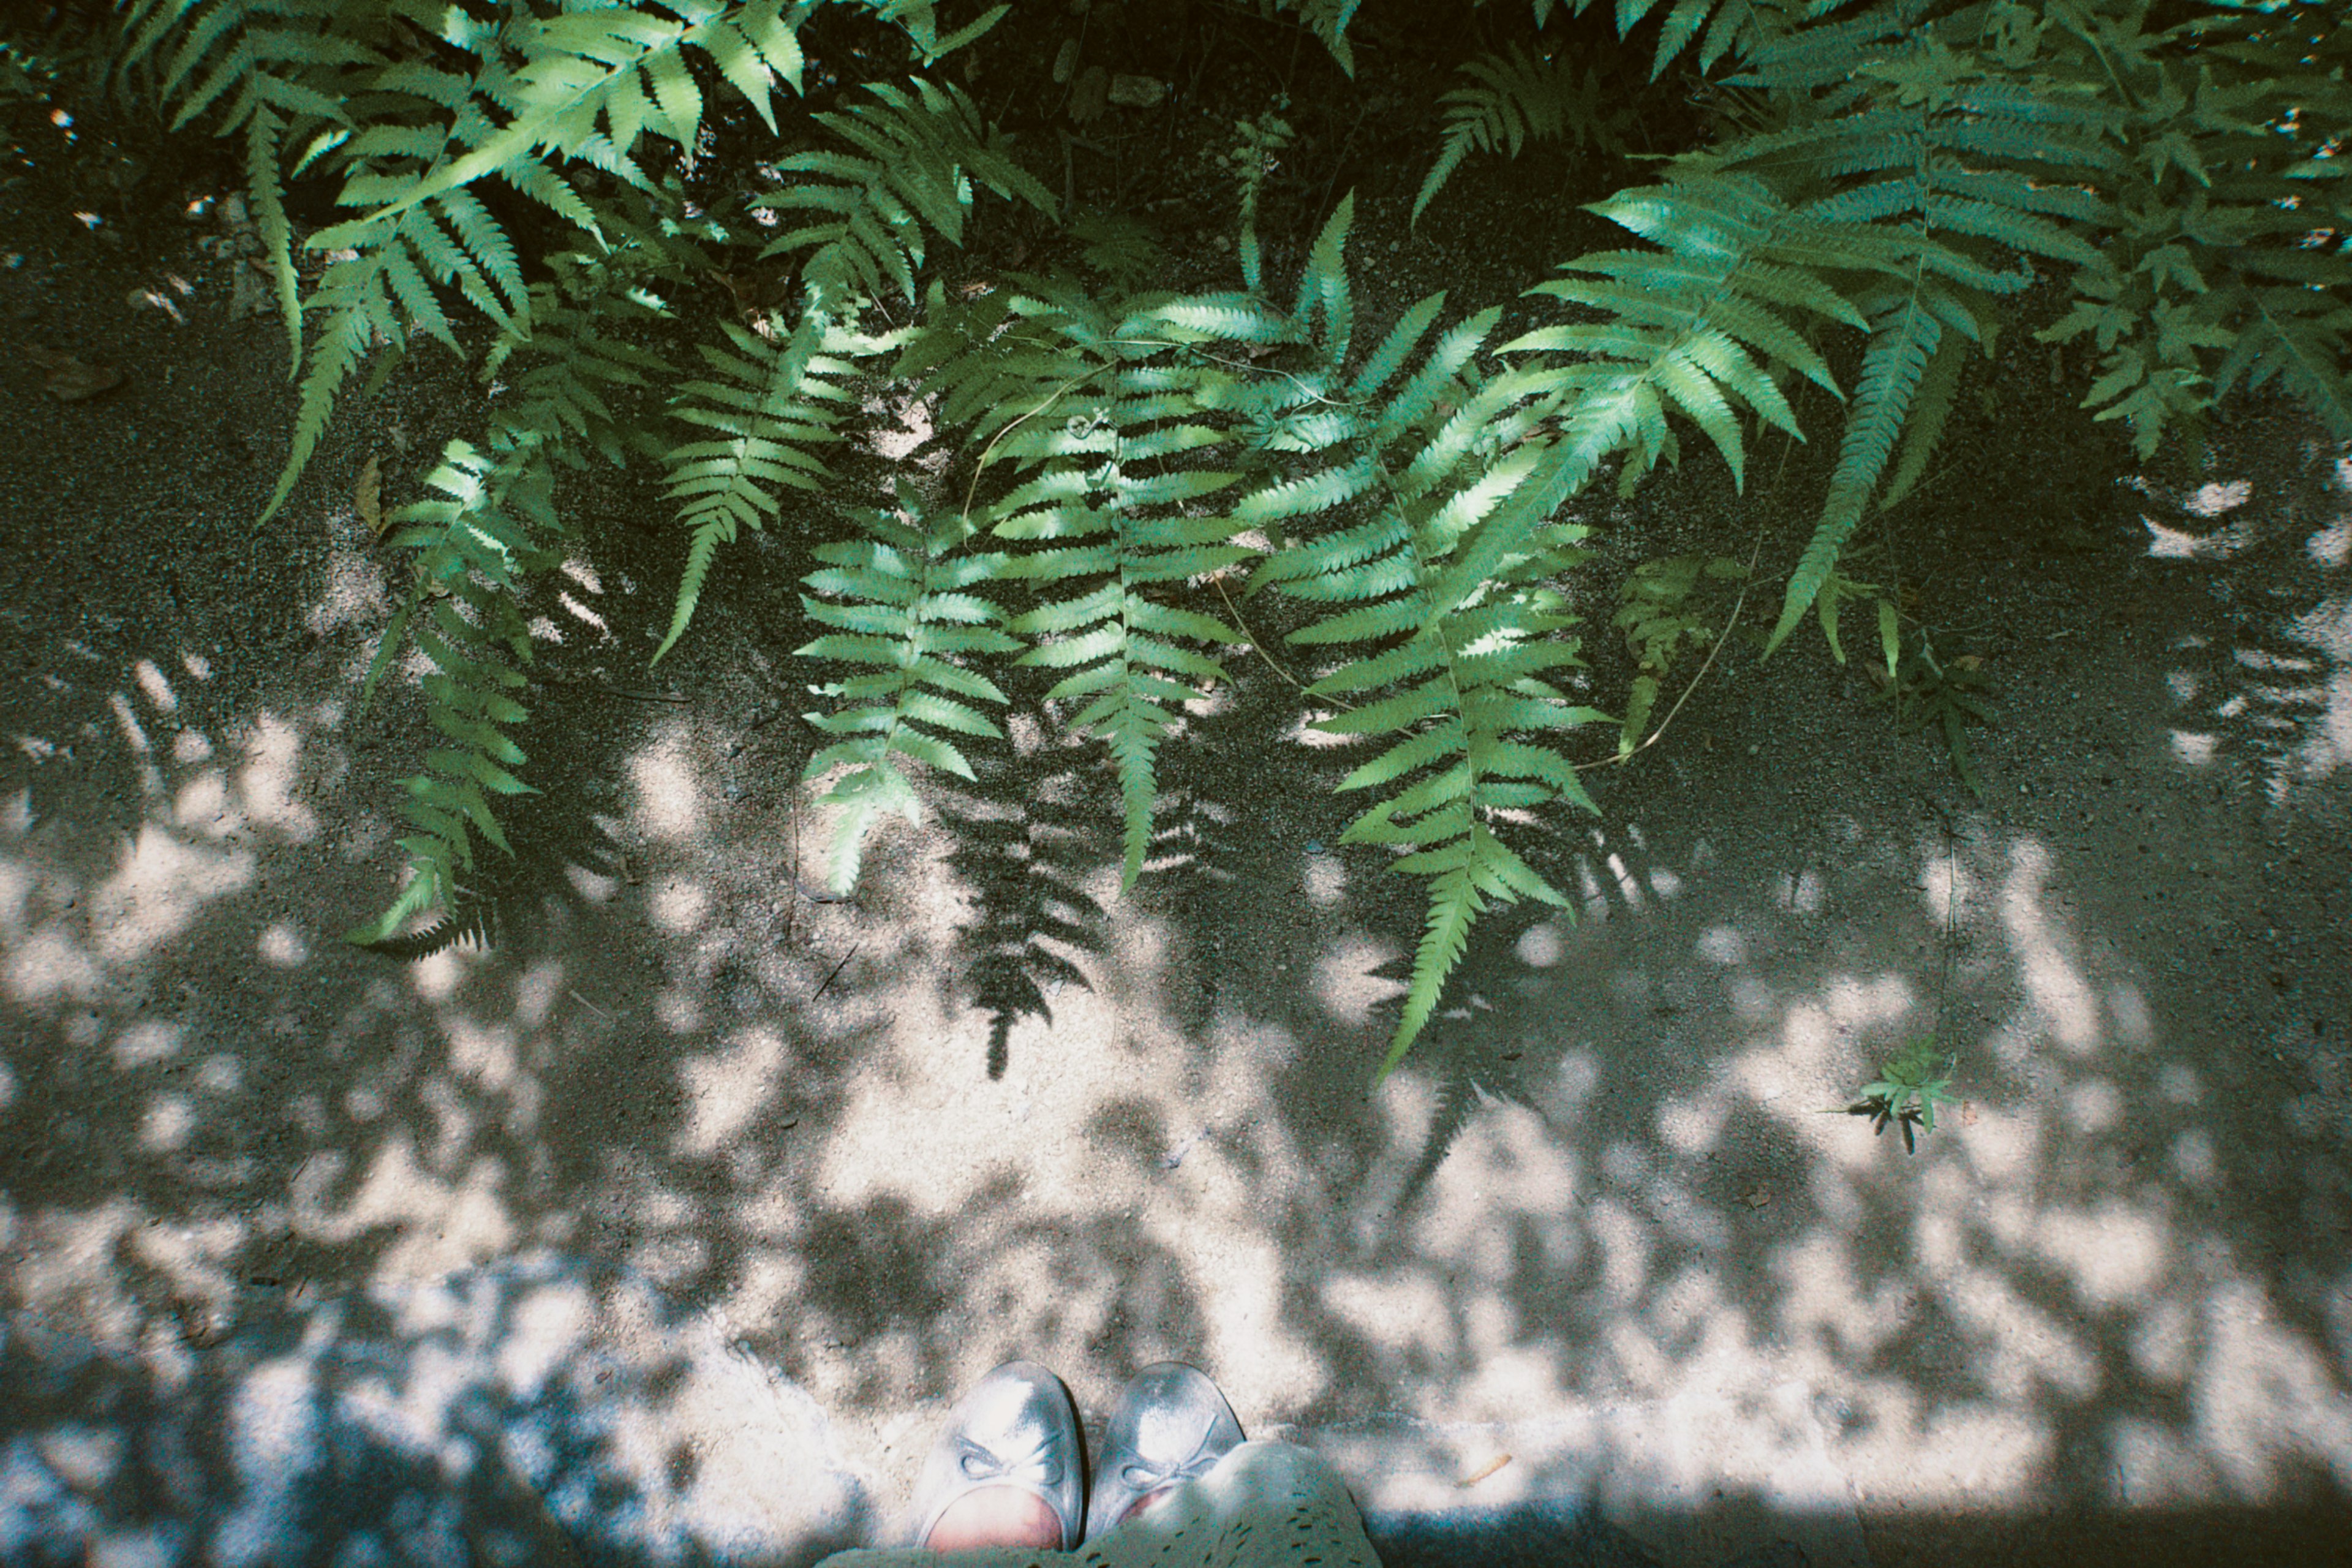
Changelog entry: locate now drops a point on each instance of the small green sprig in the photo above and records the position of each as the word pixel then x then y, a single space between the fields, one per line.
pixel 1905 1092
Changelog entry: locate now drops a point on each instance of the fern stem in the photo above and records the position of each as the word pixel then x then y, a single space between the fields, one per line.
pixel 980 465
pixel 1738 603
pixel 1259 648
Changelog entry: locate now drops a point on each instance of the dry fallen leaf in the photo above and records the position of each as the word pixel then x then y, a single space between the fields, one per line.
pixel 368 496
pixel 155 299
pixel 1968 1115
pixel 1137 91
pixel 69 380
pixel 1756 1197
pixel 1090 95
pixel 248 293
pixel 1483 1471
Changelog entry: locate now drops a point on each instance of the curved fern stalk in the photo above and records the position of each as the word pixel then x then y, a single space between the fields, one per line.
pixel 902 607
pixel 1110 429
pixel 1517 99
pixel 1415 454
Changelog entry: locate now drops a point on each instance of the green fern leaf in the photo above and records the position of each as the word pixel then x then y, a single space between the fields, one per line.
pixel 775 404
pixel 917 157
pixel 1905 339
pixel 1517 99
pixel 902 605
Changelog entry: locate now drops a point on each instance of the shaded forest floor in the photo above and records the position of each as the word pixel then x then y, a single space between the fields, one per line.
pixel 988 1108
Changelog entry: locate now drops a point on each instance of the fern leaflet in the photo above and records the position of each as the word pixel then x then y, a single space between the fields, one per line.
pixel 902 606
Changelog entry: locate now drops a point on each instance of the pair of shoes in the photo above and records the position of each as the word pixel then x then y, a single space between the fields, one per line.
pixel 1018 1428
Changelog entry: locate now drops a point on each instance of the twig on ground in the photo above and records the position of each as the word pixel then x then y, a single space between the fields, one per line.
pixel 836 971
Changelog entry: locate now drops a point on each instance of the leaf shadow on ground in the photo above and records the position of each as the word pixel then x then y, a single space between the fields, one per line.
pixel 689 1176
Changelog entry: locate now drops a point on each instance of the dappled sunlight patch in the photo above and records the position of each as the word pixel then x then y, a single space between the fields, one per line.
pixel 2195 749
pixel 202 806
pixel 2115 1252
pixel 1406 1316
pixel 281 946
pixel 436 1221
pixel 2265 1402
pixel 536 990
pixel 168 1122
pixel 66 1268
pixel 487 1055
pixel 2006 1146
pixel 593 886
pixel 147 1041
pixel 679 905
pixel 437 976
pixel 266 784
pixel 1963 1454
pixel 1346 981
pixel 159 886
pixel 156 685
pixel 2093 1106
pixel 728 1087
pixel 2062 1002
pixel 49 966
pixel 1831 1301
pixel 679 1010
pixel 668 803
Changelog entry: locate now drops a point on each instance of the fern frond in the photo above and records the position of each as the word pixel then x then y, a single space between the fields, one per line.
pixel 474 547
pixel 866 212
pixel 1905 337
pixel 903 607
pixel 773 406
pixel 2298 338
pixel 1684 327
pixel 385 291
pixel 471 921
pixel 1327 20
pixel 264 69
pixel 1454 688
pixel 1939 388
pixel 587 82
pixel 1119 519
pixel 919 19
pixel 1517 98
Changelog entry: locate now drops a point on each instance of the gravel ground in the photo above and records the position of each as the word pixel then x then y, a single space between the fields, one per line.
pixel 1605 1220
